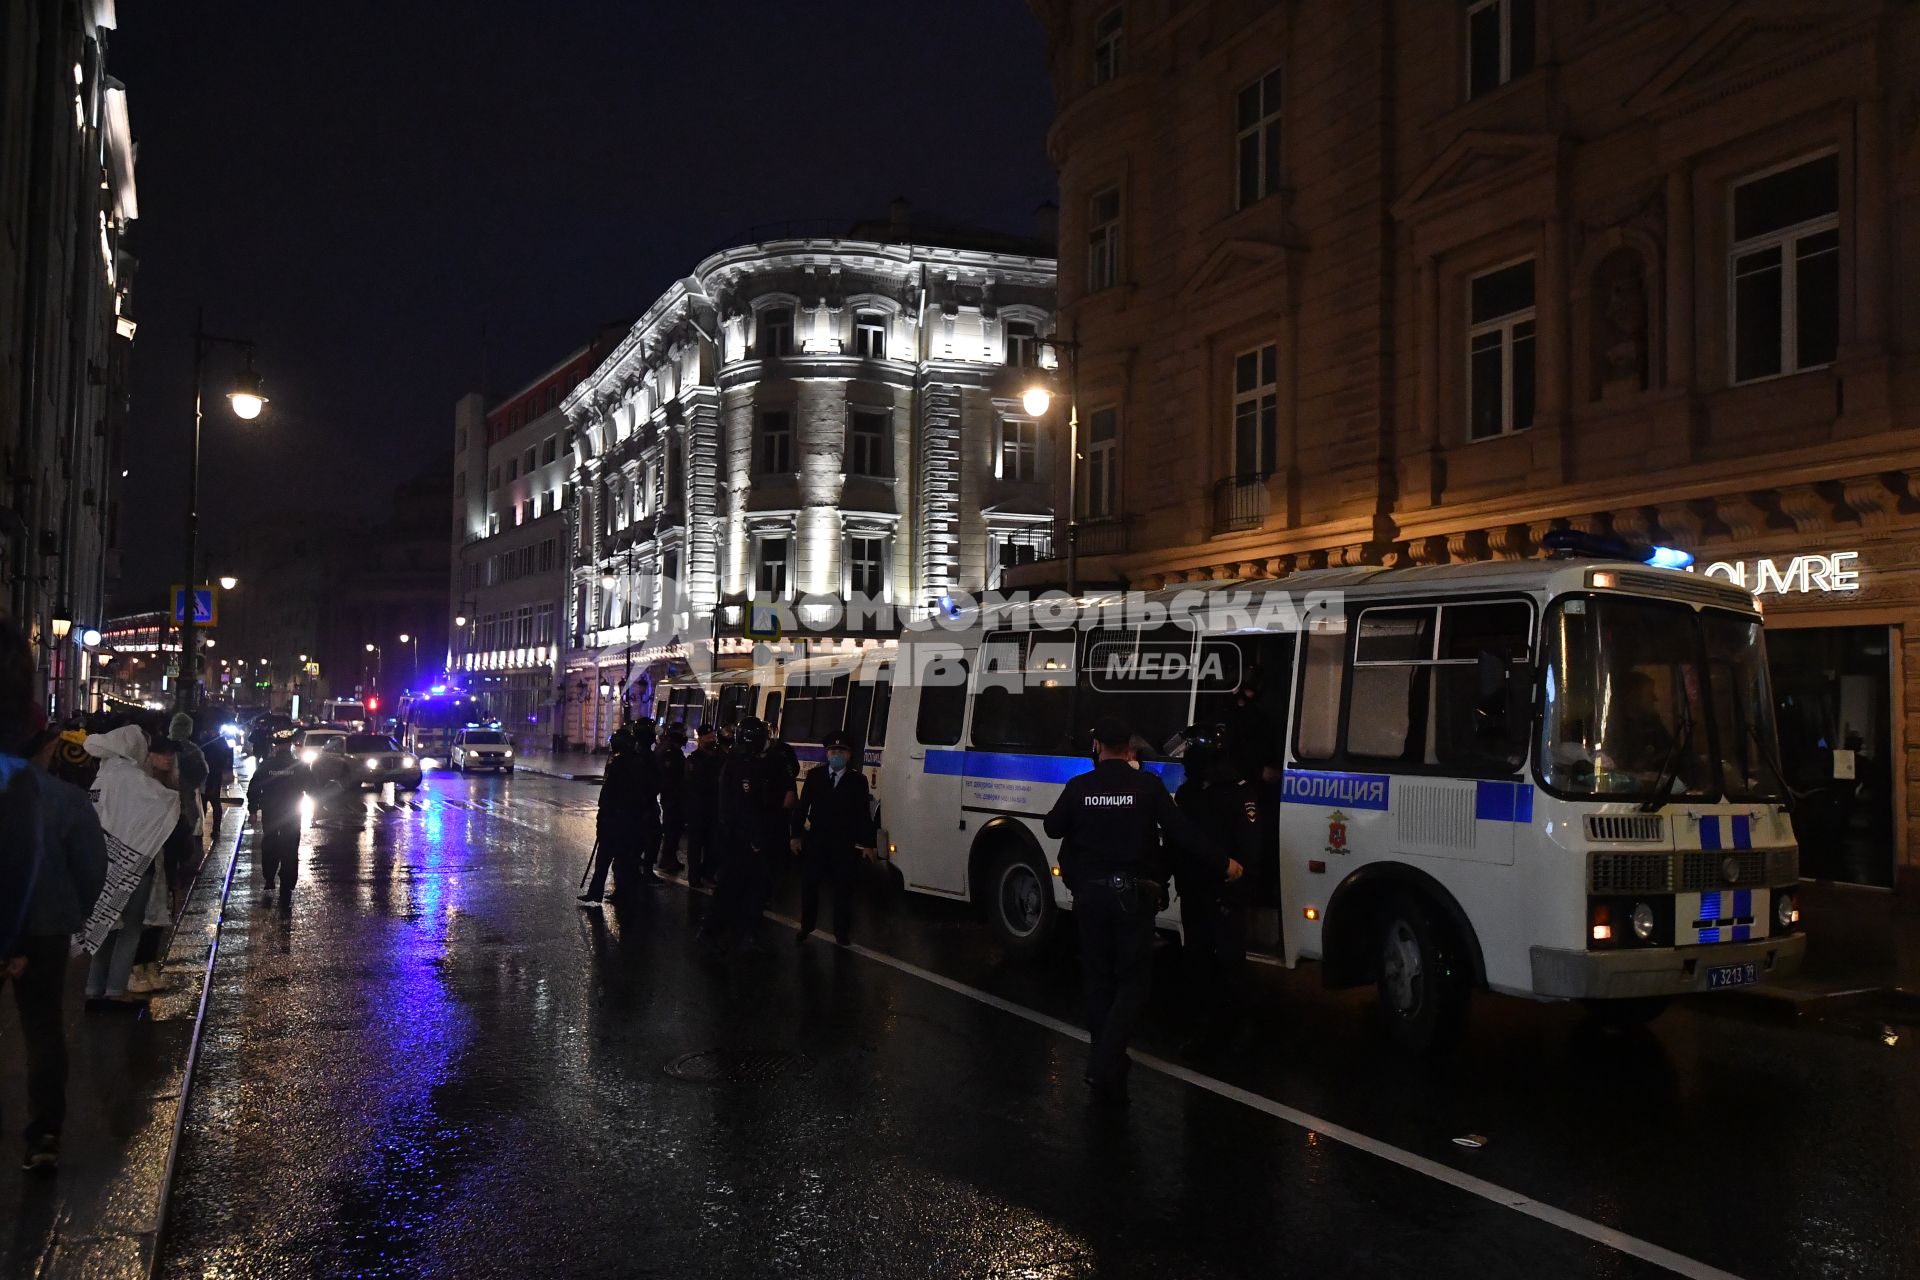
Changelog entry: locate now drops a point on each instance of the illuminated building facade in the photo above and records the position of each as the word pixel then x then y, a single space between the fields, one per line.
pixel 805 419
pixel 1405 283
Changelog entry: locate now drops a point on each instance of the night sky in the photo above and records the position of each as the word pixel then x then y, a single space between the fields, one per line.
pixel 365 188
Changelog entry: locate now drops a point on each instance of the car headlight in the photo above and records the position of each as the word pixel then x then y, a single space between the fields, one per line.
pixel 1786 911
pixel 373 764
pixel 308 757
pixel 1643 922
pixel 407 762
pixel 507 754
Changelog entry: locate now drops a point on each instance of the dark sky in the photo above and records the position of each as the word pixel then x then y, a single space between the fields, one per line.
pixel 359 187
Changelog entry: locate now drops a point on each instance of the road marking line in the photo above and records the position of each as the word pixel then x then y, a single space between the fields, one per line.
pixel 1599 1233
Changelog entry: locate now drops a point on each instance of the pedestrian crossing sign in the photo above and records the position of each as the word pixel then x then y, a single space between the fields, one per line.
pixel 763 622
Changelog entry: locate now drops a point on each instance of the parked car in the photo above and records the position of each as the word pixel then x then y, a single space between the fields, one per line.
pixel 481 749
pixel 365 759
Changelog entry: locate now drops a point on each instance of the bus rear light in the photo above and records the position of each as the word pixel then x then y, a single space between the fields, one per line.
pixel 1602 924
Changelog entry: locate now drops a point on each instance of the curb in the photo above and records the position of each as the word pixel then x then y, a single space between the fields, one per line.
pixel 524 767
pixel 193 1056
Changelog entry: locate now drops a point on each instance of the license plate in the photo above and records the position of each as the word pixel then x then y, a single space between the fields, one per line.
pixel 1733 975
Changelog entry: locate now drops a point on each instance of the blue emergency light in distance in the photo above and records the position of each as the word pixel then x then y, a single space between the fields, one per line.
pixel 1572 543
pixel 1669 557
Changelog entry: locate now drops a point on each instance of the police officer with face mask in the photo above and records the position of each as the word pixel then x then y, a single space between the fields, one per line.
pixel 1109 823
pixel 832 831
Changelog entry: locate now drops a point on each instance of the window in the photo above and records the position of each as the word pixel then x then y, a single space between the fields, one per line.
pixel 1023 344
pixel 670 573
pixel 770 566
pixel 867 442
pixel 1102 495
pixel 1019 455
pixel 776 332
pixel 1009 547
pixel 553 396
pixel 943 702
pixel 776 441
pixel 1024 700
pixel 1784 270
pixel 1499 43
pixel 1103 240
pixel 1323 673
pixel 536 506
pixel 1107 31
pixel 513 468
pixel 1256 141
pixel 459 484
pixel 870 335
pixel 1500 352
pixel 493 478
pixel 1256 412
pixel 530 463
pixel 550 450
pixel 867 566
pixel 1445 687
pixel 519 514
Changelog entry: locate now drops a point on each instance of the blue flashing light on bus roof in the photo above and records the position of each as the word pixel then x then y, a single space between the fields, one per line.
pixel 1669 557
pixel 438 688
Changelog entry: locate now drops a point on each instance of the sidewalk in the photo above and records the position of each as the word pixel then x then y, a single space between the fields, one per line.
pixel 1863 955
pixel 100 1214
pixel 575 766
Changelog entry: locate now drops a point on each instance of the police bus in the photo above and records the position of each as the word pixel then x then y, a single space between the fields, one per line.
pixel 1551 778
pixel 429 720
pixel 806 699
pixel 350 713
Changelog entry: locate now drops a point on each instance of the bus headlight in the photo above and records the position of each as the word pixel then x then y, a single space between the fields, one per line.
pixel 372 765
pixel 309 756
pixel 1786 912
pixel 407 762
pixel 1643 922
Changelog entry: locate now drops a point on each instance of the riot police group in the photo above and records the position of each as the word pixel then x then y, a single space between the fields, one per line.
pixel 1124 840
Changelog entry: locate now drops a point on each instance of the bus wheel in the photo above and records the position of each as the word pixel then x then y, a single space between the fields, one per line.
pixel 1020 900
pixel 1424 982
pixel 1630 1011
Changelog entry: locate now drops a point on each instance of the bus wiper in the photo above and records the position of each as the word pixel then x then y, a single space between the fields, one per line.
pixel 1670 771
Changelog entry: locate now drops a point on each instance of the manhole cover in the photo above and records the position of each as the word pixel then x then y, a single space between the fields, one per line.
pixel 737 1066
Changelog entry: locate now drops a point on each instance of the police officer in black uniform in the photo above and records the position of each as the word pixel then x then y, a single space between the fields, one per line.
pixel 646 785
pixel 832 831
pixel 756 793
pixel 1226 809
pixel 620 826
pixel 672 761
pixel 703 807
pixel 1109 823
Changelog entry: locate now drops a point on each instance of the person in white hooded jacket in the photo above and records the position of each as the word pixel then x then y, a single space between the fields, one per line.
pixel 138 812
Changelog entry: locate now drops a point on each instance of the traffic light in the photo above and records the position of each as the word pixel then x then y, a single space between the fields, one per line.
pixel 373 702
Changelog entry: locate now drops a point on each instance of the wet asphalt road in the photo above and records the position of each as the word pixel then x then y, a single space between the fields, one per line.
pixel 438 1066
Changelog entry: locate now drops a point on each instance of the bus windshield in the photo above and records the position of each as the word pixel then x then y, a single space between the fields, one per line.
pixel 1626 713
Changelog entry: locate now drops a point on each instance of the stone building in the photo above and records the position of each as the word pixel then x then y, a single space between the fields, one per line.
pixel 512 483
pixel 805 420
pixel 66 198
pixel 1405 282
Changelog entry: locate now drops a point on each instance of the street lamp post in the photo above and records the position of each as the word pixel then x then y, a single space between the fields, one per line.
pixel 413 674
pixel 379 660
pixel 247 402
pixel 1037 400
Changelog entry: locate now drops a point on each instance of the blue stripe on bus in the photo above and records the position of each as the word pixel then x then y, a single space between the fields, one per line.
pixel 1742 831
pixel 1710 833
pixel 1710 905
pixel 1743 933
pixel 1743 904
pixel 1503 801
pixel 812 753
pixel 1011 766
pixel 1709 935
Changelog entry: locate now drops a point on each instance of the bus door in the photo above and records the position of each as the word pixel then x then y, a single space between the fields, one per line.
pixel 924 822
pixel 1256 743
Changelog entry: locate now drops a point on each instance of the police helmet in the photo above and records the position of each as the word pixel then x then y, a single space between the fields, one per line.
pixel 750 737
pixel 621 741
pixel 642 732
pixel 674 735
pixel 1204 746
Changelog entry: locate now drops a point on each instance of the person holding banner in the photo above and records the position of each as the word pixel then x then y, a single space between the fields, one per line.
pixel 137 811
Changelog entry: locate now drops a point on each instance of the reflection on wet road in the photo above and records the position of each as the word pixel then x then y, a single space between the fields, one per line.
pixel 438 1066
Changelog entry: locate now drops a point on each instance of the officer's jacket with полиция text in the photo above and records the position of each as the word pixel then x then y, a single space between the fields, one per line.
pixel 1109 821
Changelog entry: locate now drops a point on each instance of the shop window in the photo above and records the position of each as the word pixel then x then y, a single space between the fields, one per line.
pixel 1500 352
pixel 1784 268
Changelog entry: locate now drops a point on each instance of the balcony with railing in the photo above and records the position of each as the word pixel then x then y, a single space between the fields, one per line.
pixel 1240 502
pixel 1102 535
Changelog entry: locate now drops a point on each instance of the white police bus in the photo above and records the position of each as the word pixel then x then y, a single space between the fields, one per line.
pixel 1549 778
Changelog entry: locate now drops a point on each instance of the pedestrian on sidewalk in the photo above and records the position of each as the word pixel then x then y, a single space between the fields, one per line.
pixel 756 796
pixel 72 869
pixel 280 783
pixel 832 832
pixel 703 807
pixel 671 762
pixel 219 777
pixel 629 818
pixel 136 795
pixel 1109 822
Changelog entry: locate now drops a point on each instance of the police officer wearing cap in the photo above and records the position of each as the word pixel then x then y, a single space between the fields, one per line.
pixel 832 831
pixel 1213 912
pixel 756 794
pixel 1109 822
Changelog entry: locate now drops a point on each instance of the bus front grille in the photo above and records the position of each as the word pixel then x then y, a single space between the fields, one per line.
pixel 1632 873
pixel 1640 828
pixel 1708 870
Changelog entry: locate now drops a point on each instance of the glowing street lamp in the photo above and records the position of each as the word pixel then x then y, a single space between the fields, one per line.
pixel 245 397
pixel 1037 400
pixel 228 582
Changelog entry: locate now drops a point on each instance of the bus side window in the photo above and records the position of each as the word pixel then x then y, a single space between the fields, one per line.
pixel 772 717
pixel 1392 684
pixel 829 708
pixel 882 704
pixel 1324 661
pixel 943 703
pixel 797 724
pixel 859 707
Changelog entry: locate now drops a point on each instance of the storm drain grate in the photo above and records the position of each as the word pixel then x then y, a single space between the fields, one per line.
pixel 738 1066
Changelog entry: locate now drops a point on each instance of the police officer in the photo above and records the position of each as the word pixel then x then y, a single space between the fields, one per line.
pixel 703 806
pixel 645 783
pixel 621 824
pixel 671 760
pixel 273 796
pixel 832 831
pixel 1226 809
pixel 1109 822
pixel 756 794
